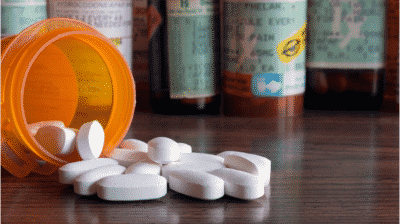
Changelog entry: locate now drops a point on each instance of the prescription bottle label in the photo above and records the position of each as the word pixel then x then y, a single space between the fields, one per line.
pixel 193 55
pixel 264 47
pixel 17 15
pixel 114 19
pixel 346 34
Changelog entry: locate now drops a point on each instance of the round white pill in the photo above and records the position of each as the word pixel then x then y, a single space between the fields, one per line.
pixel 84 184
pixel 185 148
pixel 56 140
pixel 131 187
pixel 144 168
pixel 70 171
pixel 34 127
pixel 163 150
pixel 196 184
pixel 127 157
pixel 134 144
pixel 240 184
pixel 90 140
pixel 202 166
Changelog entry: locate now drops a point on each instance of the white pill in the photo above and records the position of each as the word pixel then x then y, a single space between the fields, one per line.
pixel 196 184
pixel 34 127
pixel 240 184
pixel 131 187
pixel 144 168
pixel 84 184
pixel 163 150
pixel 70 171
pixel 250 163
pixel 196 156
pixel 201 166
pixel 90 140
pixel 134 144
pixel 127 157
pixel 185 148
pixel 56 140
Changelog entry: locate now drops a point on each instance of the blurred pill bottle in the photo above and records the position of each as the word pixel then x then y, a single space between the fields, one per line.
pixel 140 56
pixel 345 55
pixel 391 94
pixel 113 18
pixel 263 57
pixel 60 69
pixel 17 15
pixel 184 56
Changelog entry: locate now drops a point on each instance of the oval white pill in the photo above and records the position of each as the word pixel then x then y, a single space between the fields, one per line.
pixel 250 163
pixel 202 166
pixel 196 184
pixel 70 171
pixel 34 127
pixel 90 140
pixel 131 187
pixel 84 184
pixel 240 184
pixel 127 157
pixel 185 148
pixel 56 140
pixel 144 168
pixel 196 156
pixel 163 150
pixel 134 144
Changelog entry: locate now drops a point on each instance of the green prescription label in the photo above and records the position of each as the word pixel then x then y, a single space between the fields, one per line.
pixel 264 47
pixel 16 15
pixel 346 34
pixel 193 51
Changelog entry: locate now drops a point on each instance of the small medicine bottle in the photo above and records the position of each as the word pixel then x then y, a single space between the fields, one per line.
pixel 345 55
pixel 263 57
pixel 18 15
pixel 184 56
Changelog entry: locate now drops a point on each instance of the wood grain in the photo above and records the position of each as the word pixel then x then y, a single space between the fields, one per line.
pixel 326 168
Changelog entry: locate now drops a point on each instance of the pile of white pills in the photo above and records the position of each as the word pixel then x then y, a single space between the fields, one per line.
pixel 142 171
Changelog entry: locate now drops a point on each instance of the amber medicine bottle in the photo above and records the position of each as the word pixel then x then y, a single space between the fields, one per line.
pixel 263 57
pixel 60 69
pixel 391 94
pixel 345 55
pixel 184 56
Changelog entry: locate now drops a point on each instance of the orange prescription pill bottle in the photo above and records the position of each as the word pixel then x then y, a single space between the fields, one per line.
pixel 60 69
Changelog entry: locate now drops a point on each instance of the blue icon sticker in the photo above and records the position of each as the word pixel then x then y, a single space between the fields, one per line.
pixel 267 84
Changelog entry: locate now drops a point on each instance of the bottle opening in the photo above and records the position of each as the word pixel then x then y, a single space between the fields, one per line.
pixel 68 76
pixel 61 69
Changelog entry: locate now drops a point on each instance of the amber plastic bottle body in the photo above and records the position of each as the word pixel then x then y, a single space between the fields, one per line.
pixel 160 62
pixel 391 94
pixel 342 73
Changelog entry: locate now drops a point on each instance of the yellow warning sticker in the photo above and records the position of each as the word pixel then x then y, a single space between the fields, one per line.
pixel 291 47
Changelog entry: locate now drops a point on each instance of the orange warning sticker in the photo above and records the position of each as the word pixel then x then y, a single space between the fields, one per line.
pixel 237 84
pixel 290 48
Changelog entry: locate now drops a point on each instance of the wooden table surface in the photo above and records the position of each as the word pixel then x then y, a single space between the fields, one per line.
pixel 326 168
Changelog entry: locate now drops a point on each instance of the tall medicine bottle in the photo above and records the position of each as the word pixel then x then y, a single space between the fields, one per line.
pixel 263 57
pixel 184 52
pixel 345 55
